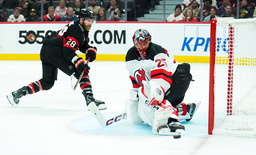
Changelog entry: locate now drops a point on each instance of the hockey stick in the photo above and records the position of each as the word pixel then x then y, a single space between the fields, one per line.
pixel 100 118
pixel 80 77
pixel 77 82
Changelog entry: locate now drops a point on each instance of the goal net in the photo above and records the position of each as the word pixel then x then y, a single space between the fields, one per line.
pixel 232 95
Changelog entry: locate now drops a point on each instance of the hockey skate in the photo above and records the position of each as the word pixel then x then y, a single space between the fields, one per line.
pixel 89 99
pixel 15 96
pixel 192 108
pixel 166 122
pixel 172 128
pixel 189 112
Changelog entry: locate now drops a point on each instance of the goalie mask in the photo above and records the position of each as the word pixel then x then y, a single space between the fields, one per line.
pixel 141 40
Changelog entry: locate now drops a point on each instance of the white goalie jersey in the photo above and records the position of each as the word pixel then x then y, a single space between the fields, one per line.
pixel 157 67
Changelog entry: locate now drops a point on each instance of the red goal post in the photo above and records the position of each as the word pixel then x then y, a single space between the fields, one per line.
pixel 232 86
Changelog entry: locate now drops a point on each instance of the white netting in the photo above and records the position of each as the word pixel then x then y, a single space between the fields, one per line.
pixel 235 72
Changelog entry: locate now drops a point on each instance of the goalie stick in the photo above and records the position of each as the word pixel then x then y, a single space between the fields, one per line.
pixel 101 119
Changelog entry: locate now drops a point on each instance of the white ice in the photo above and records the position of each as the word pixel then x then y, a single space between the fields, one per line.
pixel 57 122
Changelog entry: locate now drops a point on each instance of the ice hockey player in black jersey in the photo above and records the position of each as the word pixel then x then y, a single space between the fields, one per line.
pixel 59 52
pixel 159 86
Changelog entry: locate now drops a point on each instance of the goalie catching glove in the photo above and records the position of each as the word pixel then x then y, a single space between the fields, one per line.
pixel 152 91
pixel 91 54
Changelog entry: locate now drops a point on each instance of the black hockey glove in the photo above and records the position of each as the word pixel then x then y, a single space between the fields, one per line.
pixel 81 65
pixel 91 54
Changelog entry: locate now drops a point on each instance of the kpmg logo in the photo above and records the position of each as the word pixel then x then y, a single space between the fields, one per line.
pixel 193 44
pixel 196 40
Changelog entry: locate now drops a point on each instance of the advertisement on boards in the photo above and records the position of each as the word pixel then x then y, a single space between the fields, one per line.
pixel 180 39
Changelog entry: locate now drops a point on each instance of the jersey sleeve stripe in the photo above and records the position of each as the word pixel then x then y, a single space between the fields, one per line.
pixel 161 74
pixel 160 71
pixel 167 79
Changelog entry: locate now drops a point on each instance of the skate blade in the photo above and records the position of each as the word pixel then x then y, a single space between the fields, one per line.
pixel 10 99
pixel 197 105
pixel 168 133
pixel 100 107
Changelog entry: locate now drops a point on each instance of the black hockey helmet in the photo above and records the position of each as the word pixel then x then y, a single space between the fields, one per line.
pixel 141 35
pixel 84 13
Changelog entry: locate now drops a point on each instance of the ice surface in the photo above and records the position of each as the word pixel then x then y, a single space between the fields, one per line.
pixel 57 122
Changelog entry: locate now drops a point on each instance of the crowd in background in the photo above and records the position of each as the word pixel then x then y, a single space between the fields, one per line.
pixel 58 10
pixel 191 11
pixel 113 10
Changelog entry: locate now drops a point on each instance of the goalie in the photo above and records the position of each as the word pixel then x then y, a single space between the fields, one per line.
pixel 159 86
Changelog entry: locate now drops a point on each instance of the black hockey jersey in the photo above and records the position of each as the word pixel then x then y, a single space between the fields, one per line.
pixel 71 37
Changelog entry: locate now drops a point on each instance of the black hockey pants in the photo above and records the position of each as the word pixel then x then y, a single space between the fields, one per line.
pixel 181 80
pixel 51 62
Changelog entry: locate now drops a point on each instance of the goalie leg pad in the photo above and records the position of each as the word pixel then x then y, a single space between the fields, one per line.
pixel 162 116
pixel 132 111
pixel 145 111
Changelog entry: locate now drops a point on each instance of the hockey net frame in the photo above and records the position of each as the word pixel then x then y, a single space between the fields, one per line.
pixel 232 88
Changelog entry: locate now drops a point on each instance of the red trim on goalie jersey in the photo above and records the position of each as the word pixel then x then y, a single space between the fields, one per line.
pixel 166 52
pixel 161 74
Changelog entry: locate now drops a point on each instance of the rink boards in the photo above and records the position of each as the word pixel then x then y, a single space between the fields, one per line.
pixel 188 42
